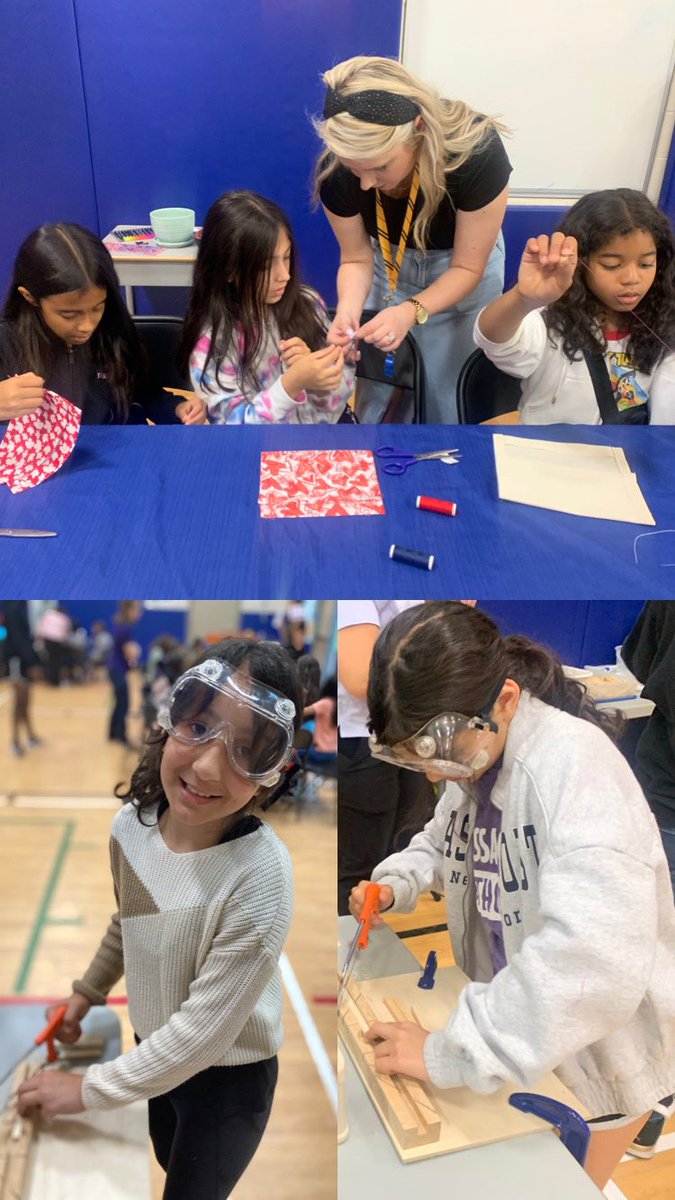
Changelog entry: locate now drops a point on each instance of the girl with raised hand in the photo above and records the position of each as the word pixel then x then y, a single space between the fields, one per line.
pixel 254 341
pixel 590 325
pixel 557 890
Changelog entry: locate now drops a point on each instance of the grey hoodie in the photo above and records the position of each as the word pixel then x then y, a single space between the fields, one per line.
pixel 587 917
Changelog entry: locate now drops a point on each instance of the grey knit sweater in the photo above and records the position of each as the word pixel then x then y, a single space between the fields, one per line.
pixel 198 937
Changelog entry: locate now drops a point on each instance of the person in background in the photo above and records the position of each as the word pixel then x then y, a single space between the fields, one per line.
pixel 22 662
pixel 101 645
pixel 649 652
pixel 54 629
pixel 380 804
pixel 124 656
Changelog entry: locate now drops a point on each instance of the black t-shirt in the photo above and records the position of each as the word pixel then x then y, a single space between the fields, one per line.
pixel 649 652
pixel 482 177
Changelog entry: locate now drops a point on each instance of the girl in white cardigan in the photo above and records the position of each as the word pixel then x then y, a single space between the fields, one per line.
pixel 590 325
pixel 557 890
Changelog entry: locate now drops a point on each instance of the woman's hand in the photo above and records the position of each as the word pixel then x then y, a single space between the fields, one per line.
pixel 20 395
pixel 342 332
pixel 320 371
pixel 57 1093
pixel 357 897
pixel 77 1007
pixel 192 411
pixel 388 328
pixel 291 350
pixel 547 268
pixel 399 1048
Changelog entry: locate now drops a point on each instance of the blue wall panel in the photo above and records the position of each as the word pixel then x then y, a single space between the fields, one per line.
pixel 580 632
pixel 187 101
pixel 522 222
pixel 45 170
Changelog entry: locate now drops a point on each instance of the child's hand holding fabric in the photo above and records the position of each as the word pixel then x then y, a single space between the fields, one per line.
pixel 20 395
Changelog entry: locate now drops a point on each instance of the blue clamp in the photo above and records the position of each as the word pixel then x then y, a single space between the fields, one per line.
pixel 427 979
pixel 574 1132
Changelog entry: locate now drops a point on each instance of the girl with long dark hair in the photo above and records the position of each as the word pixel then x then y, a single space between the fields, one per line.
pixel 204 895
pixel 557 890
pixel 590 325
pixel 254 341
pixel 65 328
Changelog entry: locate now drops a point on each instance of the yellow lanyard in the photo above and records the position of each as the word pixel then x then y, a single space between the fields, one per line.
pixel 393 268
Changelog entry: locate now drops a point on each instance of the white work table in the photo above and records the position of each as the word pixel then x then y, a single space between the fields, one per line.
pixel 519 1169
pixel 165 267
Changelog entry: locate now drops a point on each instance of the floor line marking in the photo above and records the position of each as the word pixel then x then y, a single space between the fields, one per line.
pixel 43 909
pixel 310 1032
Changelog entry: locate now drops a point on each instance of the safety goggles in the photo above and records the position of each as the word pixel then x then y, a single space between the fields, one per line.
pixel 217 700
pixel 451 744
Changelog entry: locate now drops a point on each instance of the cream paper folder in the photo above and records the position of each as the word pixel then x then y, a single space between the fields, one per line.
pixel 587 481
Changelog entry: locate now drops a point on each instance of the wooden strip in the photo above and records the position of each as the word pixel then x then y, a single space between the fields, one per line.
pixel 16 1136
pixel 404 1117
pixel 414 1088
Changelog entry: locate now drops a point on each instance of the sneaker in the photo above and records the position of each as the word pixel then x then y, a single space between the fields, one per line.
pixel 17 750
pixel 34 742
pixel 644 1145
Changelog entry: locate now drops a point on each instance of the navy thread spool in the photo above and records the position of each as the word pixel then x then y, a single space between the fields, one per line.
pixel 389 360
pixel 413 558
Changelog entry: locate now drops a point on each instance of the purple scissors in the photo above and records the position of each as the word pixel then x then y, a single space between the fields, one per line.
pixel 398 461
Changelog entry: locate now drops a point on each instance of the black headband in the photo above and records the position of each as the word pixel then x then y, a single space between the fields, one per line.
pixel 373 106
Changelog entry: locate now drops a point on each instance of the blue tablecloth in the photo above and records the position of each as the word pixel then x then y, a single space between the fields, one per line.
pixel 172 512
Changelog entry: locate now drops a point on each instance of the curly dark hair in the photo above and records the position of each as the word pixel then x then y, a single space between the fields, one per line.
pixel 595 220
pixel 267 662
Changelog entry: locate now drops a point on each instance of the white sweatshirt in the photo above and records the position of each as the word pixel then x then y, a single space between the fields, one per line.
pixel 587 918
pixel 557 391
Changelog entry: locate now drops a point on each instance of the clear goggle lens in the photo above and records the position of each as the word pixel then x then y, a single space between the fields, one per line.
pixel 451 745
pixel 255 723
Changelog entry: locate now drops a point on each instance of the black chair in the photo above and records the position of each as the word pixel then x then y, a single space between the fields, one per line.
pixel 406 384
pixel 406 401
pixel 483 391
pixel 160 338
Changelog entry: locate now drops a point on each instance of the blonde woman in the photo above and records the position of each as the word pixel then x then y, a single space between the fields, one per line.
pixel 438 173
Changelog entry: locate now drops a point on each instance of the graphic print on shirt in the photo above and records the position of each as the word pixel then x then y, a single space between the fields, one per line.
pixel 513 852
pixel 622 376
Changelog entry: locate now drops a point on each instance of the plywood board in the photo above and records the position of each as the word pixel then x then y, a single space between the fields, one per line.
pixel 466 1118
pixel 101 1154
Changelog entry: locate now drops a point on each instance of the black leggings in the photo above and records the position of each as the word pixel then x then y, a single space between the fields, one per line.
pixel 206 1131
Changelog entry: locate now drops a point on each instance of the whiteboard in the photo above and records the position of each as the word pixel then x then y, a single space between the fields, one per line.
pixel 583 85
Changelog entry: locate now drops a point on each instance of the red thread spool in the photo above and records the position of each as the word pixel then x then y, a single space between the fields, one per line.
pixel 431 504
